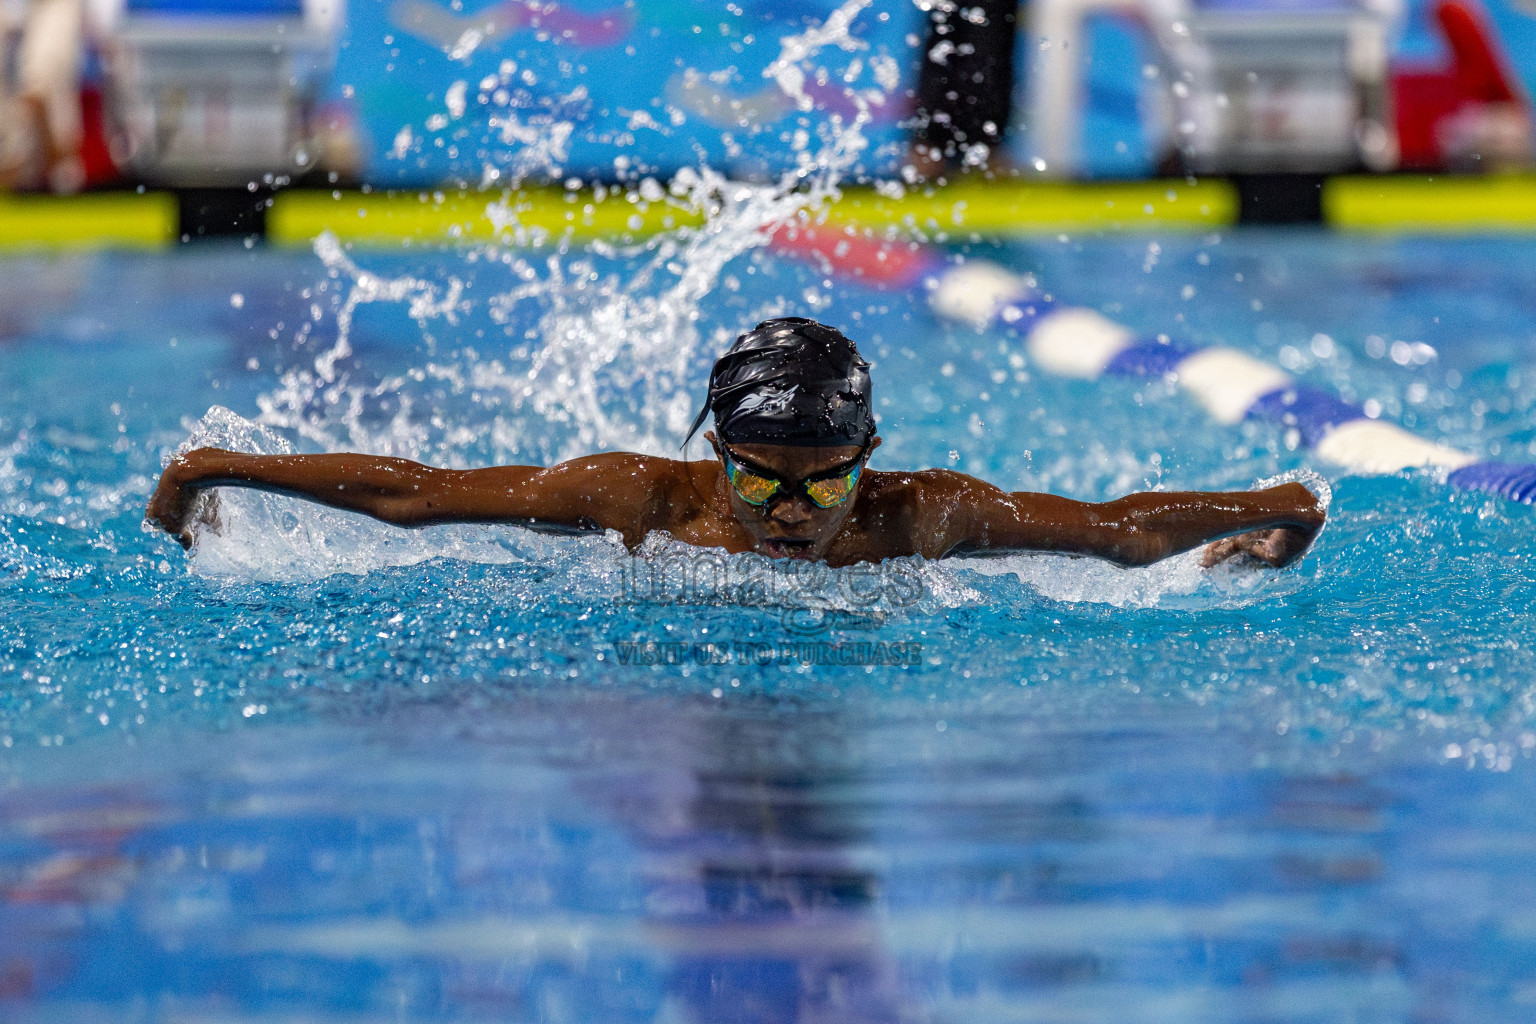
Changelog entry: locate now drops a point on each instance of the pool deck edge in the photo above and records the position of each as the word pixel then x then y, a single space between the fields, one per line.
pixel 966 210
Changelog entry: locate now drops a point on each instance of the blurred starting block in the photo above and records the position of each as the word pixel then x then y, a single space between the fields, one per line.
pixel 214 93
pixel 1304 88
pixel 1239 86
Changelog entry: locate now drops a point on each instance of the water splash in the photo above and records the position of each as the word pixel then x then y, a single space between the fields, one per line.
pixel 635 335
pixel 618 337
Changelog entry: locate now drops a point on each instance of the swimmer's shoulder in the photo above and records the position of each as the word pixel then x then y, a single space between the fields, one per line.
pixel 910 500
pixel 925 511
pixel 920 487
pixel 889 520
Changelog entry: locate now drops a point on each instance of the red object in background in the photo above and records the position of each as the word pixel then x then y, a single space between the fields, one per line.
pixel 884 263
pixel 1426 98
pixel 95 156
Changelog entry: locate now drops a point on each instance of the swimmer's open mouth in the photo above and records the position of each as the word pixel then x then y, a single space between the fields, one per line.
pixel 784 547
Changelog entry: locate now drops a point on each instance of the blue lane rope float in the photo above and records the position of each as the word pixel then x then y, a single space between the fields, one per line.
pixel 1229 384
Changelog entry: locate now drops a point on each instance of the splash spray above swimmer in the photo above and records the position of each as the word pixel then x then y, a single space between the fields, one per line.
pixel 794 432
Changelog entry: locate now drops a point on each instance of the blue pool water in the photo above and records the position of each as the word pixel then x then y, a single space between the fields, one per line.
pixel 326 771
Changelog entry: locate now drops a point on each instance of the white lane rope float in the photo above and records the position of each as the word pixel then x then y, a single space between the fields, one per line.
pixel 1229 384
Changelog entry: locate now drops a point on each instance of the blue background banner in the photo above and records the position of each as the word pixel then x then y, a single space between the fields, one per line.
pixel 439 92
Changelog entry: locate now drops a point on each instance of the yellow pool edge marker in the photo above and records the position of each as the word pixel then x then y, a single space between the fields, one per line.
pixel 393 218
pixel 89 221
pixel 979 208
pixel 1401 204
pixel 1431 204
pixel 1036 207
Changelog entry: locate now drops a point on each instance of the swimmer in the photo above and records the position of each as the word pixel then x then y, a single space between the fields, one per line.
pixel 794 431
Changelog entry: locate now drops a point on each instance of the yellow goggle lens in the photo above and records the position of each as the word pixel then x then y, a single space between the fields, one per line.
pixel 754 489
pixel 835 491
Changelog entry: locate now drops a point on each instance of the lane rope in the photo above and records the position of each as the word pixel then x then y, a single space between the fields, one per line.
pixel 1231 385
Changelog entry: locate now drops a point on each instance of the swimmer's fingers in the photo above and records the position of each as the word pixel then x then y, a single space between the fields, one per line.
pixel 1283 546
pixel 1277 548
pixel 175 525
pixel 208 513
pixel 1221 550
pixel 183 524
pixel 170 507
pixel 167 510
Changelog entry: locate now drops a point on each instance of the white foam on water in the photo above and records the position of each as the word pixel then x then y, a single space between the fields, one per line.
pixel 1069 579
pixel 666 570
pixel 1179 581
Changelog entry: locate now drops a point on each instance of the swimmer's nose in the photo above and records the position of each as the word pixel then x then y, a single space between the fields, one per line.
pixel 792 512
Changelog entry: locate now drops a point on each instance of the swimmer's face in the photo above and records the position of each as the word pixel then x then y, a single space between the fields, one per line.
pixel 791 525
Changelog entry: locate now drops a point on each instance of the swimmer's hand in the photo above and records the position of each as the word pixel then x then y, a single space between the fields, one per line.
pixel 1276 547
pixel 171 508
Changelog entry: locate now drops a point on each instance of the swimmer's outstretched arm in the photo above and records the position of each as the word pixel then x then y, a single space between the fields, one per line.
pixel 597 492
pixel 1274 525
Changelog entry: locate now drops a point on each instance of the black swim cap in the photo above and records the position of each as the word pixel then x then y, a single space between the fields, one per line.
pixel 790 381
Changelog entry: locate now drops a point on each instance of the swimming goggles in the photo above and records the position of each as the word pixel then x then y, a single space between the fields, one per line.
pixel 826 491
